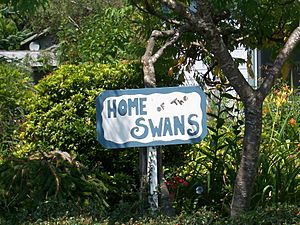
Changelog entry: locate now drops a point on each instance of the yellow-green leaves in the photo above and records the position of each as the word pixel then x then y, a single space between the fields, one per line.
pixel 62 113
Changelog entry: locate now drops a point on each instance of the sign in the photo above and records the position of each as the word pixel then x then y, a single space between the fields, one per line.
pixel 151 117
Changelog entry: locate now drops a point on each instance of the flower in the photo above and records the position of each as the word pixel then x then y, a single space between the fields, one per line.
pixel 171 185
pixel 286 88
pixel 181 181
pixel 265 110
pixel 292 122
pixel 282 96
pixel 174 182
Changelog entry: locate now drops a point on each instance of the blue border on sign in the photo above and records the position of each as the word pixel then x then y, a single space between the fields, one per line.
pixel 147 91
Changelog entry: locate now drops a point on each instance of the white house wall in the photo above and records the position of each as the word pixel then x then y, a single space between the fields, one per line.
pixel 33 58
pixel 240 53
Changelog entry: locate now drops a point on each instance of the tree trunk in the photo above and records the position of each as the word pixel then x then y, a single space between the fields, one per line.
pixel 247 172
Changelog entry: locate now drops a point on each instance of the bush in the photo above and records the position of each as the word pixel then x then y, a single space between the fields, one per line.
pixel 15 87
pixel 62 111
pixel 279 162
pixel 277 214
pixel 280 214
pixel 211 165
pixel 207 170
pixel 63 117
pixel 48 185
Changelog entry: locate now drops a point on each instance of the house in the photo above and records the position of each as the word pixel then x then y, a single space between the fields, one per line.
pixel 37 51
pixel 254 70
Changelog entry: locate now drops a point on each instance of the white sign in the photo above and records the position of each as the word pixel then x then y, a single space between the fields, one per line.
pixel 151 117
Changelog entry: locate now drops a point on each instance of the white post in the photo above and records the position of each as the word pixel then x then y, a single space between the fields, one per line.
pixel 152 175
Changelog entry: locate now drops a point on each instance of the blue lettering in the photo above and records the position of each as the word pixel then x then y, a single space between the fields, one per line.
pixel 142 106
pixel 111 109
pixel 179 125
pixel 193 123
pixel 167 127
pixel 133 104
pixel 122 107
pixel 136 129
pixel 156 130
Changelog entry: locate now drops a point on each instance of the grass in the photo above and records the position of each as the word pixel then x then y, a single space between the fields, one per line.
pixel 273 215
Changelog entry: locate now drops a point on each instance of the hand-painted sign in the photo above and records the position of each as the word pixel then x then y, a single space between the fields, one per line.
pixel 151 117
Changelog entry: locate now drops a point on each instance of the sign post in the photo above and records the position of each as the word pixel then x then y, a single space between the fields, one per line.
pixel 153 177
pixel 150 117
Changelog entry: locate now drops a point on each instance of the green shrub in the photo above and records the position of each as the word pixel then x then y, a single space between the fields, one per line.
pixel 62 111
pixel 15 87
pixel 63 117
pixel 48 185
pixel 270 215
pixel 207 170
pixel 279 162
pixel 211 165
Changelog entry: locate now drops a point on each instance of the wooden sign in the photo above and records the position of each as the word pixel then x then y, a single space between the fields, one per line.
pixel 151 117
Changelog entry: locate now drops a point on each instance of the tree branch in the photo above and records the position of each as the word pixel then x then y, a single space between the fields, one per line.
pixel 152 11
pixel 148 8
pixel 274 71
pixel 221 52
pixel 180 8
pixel 149 58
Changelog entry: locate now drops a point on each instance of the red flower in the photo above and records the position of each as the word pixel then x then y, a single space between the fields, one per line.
pixel 171 185
pixel 292 122
pixel 184 183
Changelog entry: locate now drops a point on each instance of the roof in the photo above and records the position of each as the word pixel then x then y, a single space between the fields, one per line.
pixel 35 36
pixel 33 58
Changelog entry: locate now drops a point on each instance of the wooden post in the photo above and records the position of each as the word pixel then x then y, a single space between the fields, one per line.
pixel 153 178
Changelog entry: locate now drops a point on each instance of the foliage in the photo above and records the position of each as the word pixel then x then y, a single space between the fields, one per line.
pixel 15 87
pixel 59 13
pixel 281 214
pixel 210 167
pixel 266 23
pixel 12 42
pixel 277 214
pixel 62 111
pixel 10 36
pixel 254 24
pixel 103 38
pixel 35 184
pixel 7 26
pixel 111 36
pixel 279 164
pixel 62 116
pixel 24 6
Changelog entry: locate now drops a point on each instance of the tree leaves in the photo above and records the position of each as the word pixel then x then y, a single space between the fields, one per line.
pixel 25 6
